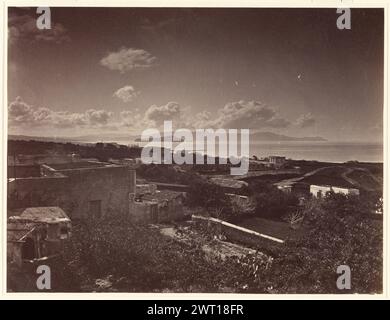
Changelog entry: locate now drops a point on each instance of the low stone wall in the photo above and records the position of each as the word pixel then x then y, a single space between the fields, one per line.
pixel 239 234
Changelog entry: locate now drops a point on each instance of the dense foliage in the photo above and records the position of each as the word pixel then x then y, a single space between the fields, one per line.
pixel 272 202
pixel 342 232
pixel 114 255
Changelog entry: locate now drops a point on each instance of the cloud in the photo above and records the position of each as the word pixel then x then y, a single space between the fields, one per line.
pixel 126 60
pixel 305 120
pixel 21 114
pixel 234 115
pixel 97 117
pixel 171 111
pixel 130 119
pixel 247 114
pixel 23 27
pixel 126 94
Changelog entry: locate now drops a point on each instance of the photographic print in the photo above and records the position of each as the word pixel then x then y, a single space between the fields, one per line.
pixel 195 150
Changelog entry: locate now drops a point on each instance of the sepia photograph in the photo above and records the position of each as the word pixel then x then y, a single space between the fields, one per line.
pixel 195 150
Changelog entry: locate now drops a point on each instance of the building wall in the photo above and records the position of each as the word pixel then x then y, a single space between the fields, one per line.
pixel 74 190
pixel 319 190
pixel 170 210
pixel 23 171
pixel 156 211
pixel 108 187
pixel 143 212
pixel 346 191
pixel 314 190
pixel 37 192
pixel 14 252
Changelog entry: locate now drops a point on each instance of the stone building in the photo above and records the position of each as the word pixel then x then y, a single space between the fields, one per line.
pixel 277 161
pixel 35 234
pixel 156 206
pixel 83 189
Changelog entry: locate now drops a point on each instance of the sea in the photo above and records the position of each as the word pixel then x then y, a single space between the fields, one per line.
pixel 324 151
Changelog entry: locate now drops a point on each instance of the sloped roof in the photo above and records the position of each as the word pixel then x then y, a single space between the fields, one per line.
pixel 41 214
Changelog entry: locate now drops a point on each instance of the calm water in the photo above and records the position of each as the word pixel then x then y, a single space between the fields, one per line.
pixel 321 151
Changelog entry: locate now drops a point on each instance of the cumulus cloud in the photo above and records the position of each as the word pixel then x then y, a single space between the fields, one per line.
pixel 235 115
pixel 305 120
pixel 130 119
pixel 247 114
pixel 23 27
pixel 126 94
pixel 171 111
pixel 22 114
pixel 126 60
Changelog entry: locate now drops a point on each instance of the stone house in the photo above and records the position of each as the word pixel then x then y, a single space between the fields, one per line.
pixel 83 189
pixel 36 234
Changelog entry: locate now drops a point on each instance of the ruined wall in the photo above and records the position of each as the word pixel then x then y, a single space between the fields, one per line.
pixel 170 210
pixel 143 212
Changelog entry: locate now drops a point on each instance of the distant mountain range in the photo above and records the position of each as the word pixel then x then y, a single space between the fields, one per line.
pixel 258 136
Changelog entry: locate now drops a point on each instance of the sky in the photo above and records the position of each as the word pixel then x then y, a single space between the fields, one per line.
pixel 109 72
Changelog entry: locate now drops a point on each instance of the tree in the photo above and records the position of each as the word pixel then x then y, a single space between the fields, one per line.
pixel 275 203
pixel 210 196
pixel 341 232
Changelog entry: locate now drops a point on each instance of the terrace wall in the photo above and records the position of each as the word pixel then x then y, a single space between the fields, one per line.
pixel 239 234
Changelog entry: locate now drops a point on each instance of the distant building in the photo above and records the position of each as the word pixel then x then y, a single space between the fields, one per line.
pixel 298 188
pixel 35 234
pixel 277 161
pixel 257 165
pixel 319 190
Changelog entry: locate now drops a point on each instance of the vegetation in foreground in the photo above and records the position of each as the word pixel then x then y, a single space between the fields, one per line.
pixel 115 255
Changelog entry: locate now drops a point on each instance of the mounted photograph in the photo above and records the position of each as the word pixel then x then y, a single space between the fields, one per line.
pixel 195 150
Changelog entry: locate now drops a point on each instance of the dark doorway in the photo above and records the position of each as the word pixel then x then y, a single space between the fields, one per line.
pixel 28 249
